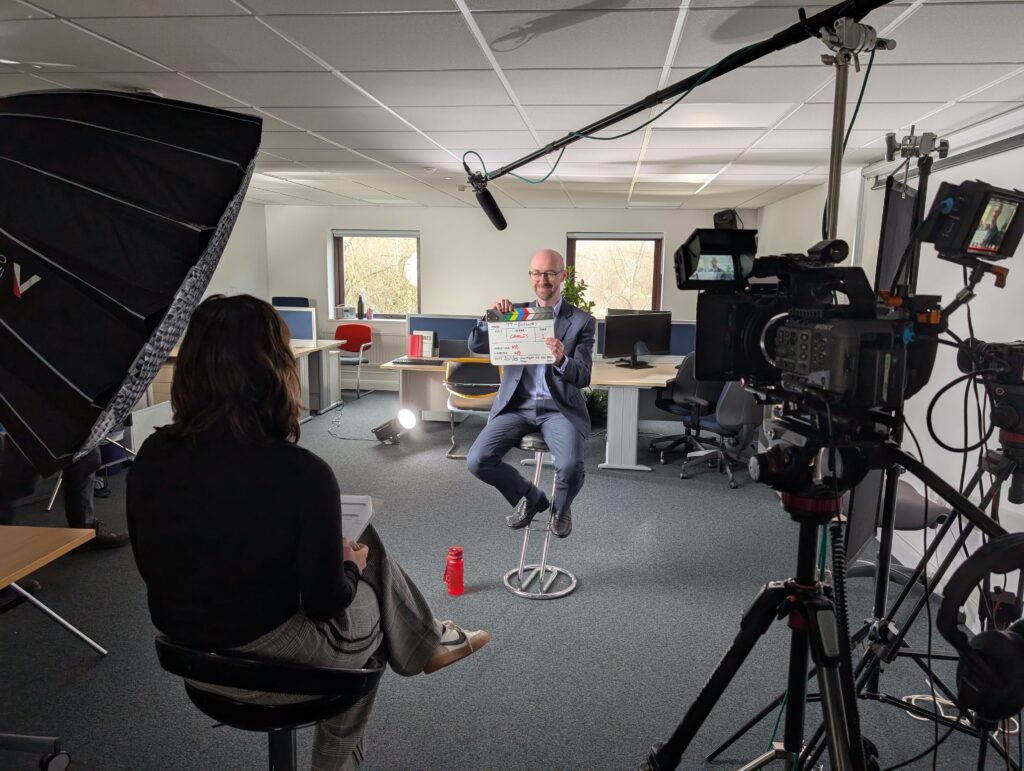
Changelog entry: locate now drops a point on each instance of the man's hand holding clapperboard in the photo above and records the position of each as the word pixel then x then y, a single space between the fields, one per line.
pixel 518 336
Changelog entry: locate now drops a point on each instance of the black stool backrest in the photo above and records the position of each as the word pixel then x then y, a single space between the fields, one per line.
pixel 243 670
pixel 471 378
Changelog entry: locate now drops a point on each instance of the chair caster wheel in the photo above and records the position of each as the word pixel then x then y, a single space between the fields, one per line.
pixel 733 485
pixel 684 475
pixel 651 447
pixel 662 461
pixel 56 761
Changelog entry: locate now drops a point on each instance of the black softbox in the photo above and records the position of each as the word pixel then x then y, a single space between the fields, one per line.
pixel 114 210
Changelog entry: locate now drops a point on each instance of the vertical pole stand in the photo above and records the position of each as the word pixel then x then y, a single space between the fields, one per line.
pixel 540 581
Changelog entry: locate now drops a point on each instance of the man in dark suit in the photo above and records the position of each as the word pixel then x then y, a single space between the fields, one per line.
pixel 540 397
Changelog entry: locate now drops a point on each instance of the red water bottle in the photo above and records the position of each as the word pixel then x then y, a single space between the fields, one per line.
pixel 453 571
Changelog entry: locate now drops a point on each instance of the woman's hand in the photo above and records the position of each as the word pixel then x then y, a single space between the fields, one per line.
pixel 355 552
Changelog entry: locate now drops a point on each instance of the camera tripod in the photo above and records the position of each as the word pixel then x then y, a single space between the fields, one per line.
pixel 818 629
pixel 887 641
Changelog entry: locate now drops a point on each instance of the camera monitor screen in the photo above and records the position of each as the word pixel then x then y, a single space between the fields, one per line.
pixel 715 259
pixel 993 225
pixel 715 267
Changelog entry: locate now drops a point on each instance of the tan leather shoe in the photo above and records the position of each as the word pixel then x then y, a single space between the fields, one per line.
pixel 462 642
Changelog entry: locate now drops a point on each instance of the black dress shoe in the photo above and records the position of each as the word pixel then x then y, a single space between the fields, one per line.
pixel 104 539
pixel 525 514
pixel 562 524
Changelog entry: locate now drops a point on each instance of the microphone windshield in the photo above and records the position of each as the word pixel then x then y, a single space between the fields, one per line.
pixel 490 207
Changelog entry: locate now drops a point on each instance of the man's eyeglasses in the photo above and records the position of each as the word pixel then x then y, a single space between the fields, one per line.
pixel 548 274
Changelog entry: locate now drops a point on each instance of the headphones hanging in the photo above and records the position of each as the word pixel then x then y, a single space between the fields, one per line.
pixel 990 675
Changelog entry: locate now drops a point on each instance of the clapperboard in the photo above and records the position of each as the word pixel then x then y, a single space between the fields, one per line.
pixel 517 337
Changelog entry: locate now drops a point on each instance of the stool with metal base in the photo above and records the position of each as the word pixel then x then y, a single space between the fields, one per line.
pixel 539 581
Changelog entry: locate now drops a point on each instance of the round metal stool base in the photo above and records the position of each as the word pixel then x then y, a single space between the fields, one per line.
pixel 535 588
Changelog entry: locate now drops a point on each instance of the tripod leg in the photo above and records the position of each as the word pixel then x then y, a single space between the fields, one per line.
pixel 845 749
pixel 756 621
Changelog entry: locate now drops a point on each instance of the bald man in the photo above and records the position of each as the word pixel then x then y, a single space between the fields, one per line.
pixel 540 397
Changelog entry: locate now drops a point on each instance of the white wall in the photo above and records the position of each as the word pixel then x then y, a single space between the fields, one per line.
pixel 243 266
pixel 794 224
pixel 996 312
pixel 465 264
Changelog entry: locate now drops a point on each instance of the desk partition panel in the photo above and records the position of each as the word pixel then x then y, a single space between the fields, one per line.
pixel 443 327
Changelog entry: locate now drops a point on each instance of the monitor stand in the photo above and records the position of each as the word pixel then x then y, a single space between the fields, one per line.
pixel 633 363
pixel 639 349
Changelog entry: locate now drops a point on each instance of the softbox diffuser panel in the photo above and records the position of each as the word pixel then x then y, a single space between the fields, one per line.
pixel 114 211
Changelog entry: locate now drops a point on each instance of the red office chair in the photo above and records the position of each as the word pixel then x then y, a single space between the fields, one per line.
pixel 358 339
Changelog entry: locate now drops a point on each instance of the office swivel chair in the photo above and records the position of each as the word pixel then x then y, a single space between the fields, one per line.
pixel 735 422
pixel 358 340
pixel 690 399
pixel 336 690
pixel 472 386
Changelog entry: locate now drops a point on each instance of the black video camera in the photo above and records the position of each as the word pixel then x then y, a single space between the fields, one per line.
pixel 796 326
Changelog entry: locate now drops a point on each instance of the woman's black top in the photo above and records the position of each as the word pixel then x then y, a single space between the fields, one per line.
pixel 231 538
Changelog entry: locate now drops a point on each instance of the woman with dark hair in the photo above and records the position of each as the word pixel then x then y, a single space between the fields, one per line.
pixel 237 531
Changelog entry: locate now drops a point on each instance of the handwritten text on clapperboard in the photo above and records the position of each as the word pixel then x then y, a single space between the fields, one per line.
pixel 518 337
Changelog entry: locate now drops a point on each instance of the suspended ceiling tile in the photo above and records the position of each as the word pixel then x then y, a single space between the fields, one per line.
pixel 723 138
pixel 942 33
pixel 613 88
pixel 777 194
pixel 272 140
pixel 83 9
pixel 316 7
pixel 419 156
pixel 590 152
pixel 285 89
pixel 386 42
pixel 16 83
pixel 50 40
pixel 315 156
pixel 433 88
pixel 711 34
pixel 483 140
pixel 207 44
pixel 966 114
pixel 367 140
pixel 757 84
pixel 721 115
pixel 919 82
pixel 167 84
pixel 874 117
pixel 462 118
pixel 556 6
pixel 699 155
pixel 1010 90
pixel 811 139
pixel 340 118
pixel 570 39
pixel 269 122
pixel 13 10
pixel 612 138
pixel 578 117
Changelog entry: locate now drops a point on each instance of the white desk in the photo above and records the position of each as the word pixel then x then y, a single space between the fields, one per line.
pixel 315 378
pixel 624 408
pixel 421 387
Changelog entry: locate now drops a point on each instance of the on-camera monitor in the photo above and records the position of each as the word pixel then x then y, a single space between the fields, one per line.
pixel 715 267
pixel 624 329
pixel 993 225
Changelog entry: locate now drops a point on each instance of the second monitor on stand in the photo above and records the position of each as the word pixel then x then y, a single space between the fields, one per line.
pixel 636 333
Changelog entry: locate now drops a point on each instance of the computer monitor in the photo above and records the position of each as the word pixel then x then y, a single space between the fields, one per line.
pixel 636 333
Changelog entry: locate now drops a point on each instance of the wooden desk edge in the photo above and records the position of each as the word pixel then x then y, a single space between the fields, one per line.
pixel 82 535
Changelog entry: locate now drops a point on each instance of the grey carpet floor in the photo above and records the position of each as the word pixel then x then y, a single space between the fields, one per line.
pixel 666 569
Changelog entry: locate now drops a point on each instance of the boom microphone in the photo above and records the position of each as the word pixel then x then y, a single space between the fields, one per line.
pixel 485 199
pixel 490 207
